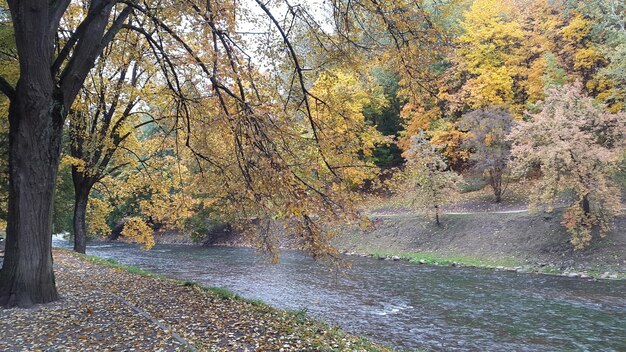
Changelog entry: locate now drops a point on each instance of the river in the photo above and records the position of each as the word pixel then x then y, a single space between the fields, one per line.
pixel 409 306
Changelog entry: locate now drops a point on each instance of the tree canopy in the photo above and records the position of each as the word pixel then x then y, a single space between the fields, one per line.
pixel 146 115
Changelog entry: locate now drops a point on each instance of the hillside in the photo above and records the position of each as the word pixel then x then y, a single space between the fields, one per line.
pixel 515 238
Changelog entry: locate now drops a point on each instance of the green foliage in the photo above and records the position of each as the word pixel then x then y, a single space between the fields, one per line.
pixel 554 75
pixel 63 202
pixel 387 119
pixel 472 184
pixel 200 224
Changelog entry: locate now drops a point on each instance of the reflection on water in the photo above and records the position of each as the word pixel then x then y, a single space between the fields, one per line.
pixel 409 306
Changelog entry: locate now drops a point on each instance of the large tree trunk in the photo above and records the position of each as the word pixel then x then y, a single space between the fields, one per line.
pixel 81 197
pixel 38 108
pixel 36 121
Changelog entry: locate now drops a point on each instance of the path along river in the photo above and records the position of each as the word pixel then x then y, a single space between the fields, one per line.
pixel 409 306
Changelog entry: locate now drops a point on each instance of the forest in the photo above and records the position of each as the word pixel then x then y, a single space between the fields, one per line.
pixel 124 118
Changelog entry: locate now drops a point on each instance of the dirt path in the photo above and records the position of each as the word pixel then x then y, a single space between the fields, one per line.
pixel 108 309
pixel 409 213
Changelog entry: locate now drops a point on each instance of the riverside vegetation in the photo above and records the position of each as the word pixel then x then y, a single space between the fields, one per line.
pixel 126 118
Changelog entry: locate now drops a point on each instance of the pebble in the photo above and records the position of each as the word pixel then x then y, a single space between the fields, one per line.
pixel 605 275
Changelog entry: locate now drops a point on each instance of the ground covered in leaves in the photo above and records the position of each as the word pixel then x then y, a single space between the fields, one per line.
pixel 107 307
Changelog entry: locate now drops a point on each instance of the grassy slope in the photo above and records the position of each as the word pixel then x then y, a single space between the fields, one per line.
pixel 489 240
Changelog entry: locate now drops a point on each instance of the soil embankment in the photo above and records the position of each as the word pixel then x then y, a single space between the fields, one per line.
pixel 515 237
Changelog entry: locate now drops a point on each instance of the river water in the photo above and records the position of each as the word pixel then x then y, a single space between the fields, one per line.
pixel 409 306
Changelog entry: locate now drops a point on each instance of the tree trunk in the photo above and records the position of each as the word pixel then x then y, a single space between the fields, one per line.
pixel 81 197
pixel 437 215
pixel 495 179
pixel 35 127
pixel 585 204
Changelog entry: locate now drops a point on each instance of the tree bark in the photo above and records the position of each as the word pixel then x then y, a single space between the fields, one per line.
pixel 81 197
pixel 35 126
pixel 36 115
pixel 495 180
pixel 585 204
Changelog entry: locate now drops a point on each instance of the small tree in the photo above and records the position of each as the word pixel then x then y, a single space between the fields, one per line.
pixel 429 180
pixel 577 146
pixel 487 140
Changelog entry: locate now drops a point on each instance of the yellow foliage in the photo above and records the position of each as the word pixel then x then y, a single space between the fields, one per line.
pixel 490 53
pixel 137 230
pixel 98 211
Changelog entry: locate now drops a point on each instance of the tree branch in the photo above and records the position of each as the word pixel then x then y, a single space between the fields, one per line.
pixel 7 88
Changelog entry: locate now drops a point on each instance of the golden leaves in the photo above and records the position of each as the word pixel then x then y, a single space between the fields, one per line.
pixel 137 230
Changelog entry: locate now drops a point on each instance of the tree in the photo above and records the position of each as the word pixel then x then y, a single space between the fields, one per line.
pixel 203 63
pixel 427 179
pixel 609 22
pixel 577 145
pixel 486 138
pixel 9 68
pixel 387 118
pixel 39 102
pixel 104 121
pixel 490 55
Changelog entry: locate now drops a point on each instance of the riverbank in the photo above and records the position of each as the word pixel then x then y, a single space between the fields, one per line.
pixel 512 241
pixel 107 306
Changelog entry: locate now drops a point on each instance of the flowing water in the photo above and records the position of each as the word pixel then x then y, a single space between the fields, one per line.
pixel 408 306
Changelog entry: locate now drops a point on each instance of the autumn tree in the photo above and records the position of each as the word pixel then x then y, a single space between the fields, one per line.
pixel 104 121
pixel 486 139
pixel 427 179
pixel 489 54
pixel 53 68
pixel 577 146
pixel 609 24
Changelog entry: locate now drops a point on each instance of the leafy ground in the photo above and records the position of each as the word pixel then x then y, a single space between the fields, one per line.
pixel 108 307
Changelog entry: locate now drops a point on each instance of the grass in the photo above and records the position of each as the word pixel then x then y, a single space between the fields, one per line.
pixel 431 258
pixel 439 259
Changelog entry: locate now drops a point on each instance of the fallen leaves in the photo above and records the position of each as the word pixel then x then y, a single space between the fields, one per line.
pixel 107 309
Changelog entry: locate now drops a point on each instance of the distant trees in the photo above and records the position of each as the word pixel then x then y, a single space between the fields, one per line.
pixel 429 181
pixel 577 146
pixel 486 138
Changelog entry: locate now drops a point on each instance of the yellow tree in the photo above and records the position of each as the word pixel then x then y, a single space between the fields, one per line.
pixel 104 121
pixel 427 179
pixel 490 55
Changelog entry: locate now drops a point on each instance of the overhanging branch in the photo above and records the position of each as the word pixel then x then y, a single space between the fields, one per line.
pixel 7 88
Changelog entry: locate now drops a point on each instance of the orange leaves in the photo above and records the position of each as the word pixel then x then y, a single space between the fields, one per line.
pixel 577 145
